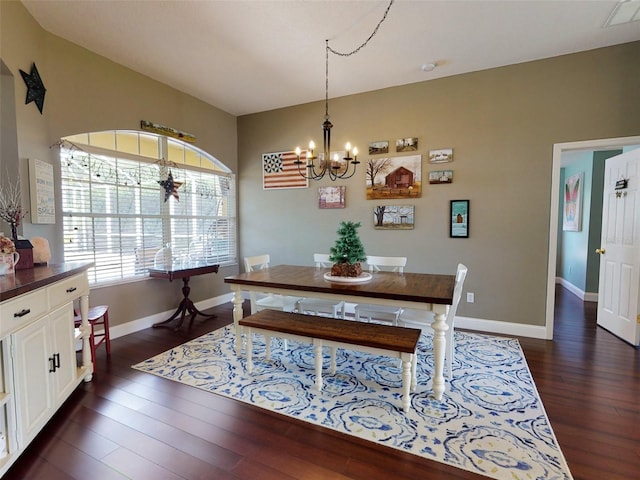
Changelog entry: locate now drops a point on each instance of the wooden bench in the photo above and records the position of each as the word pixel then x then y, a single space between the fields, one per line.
pixel 395 342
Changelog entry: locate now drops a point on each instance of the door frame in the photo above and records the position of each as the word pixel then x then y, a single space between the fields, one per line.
pixel 558 150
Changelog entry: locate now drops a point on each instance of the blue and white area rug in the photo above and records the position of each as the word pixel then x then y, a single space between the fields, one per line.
pixel 491 420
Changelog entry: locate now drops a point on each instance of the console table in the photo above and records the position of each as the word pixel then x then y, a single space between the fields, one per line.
pixel 38 345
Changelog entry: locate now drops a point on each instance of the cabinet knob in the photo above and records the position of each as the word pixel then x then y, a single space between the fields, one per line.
pixel 22 313
pixel 71 289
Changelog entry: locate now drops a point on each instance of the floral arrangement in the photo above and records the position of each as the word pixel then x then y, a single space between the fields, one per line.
pixel 11 209
pixel 7 245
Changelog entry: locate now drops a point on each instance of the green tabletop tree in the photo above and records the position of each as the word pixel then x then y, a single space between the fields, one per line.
pixel 348 251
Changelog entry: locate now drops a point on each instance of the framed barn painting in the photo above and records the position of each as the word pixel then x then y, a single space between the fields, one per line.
pixel 394 177
pixel 572 213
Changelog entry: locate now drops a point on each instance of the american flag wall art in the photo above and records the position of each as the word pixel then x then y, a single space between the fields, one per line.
pixel 279 171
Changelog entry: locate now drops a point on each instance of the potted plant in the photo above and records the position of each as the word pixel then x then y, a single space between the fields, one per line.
pixel 348 252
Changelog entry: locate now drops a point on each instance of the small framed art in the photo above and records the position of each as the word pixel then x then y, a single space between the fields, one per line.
pixel 393 217
pixel 459 219
pixel 331 197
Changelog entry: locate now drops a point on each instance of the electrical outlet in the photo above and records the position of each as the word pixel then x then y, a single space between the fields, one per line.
pixel 470 297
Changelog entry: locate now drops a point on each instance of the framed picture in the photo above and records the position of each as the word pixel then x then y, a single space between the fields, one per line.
pixel 444 155
pixel 279 171
pixel 331 197
pixel 459 219
pixel 572 213
pixel 393 217
pixel 395 177
pixel 381 146
pixel 43 203
pixel 409 144
pixel 441 176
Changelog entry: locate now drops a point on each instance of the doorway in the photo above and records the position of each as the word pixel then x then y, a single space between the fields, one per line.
pixel 558 150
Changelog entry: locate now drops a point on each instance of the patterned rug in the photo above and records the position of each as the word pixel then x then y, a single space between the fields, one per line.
pixel 491 420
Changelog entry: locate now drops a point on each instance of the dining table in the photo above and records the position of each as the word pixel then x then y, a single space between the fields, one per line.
pixel 420 291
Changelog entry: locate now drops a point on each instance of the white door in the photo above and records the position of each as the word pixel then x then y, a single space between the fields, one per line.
pixel 620 248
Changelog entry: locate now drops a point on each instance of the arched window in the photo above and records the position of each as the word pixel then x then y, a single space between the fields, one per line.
pixel 128 194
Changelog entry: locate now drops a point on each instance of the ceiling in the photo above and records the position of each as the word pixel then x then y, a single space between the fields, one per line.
pixel 247 56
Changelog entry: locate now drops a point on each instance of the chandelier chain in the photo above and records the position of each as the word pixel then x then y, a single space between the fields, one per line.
pixel 327 165
pixel 364 44
pixel 347 54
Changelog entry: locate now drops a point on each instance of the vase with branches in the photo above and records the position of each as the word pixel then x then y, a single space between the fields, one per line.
pixel 11 208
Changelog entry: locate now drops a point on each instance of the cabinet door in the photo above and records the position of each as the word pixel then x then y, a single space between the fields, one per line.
pixel 32 362
pixel 64 378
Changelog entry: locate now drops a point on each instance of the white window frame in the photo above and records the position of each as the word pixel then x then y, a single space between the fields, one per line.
pixel 115 214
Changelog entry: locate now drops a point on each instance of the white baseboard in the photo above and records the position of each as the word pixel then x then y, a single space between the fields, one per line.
pixel 503 328
pixel 146 322
pixel 477 324
pixel 581 294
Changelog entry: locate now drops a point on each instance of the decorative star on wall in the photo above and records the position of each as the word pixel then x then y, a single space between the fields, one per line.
pixel 35 87
pixel 170 187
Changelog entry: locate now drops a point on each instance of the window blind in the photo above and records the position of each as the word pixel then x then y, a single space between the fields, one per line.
pixel 117 214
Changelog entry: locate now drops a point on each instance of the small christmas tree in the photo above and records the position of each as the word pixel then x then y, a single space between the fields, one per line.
pixel 348 252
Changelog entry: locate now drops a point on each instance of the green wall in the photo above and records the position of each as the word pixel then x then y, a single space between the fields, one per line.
pixel 501 123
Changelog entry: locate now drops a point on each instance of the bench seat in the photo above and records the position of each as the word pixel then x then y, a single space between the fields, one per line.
pixel 395 342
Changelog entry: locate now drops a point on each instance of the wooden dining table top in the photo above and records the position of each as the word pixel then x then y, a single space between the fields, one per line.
pixel 407 287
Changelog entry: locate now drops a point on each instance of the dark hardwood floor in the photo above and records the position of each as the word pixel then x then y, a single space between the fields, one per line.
pixel 128 424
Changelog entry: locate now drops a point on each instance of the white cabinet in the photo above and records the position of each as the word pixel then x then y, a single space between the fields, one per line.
pixel 44 369
pixel 38 363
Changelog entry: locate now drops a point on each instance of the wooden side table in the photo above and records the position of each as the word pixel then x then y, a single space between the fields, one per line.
pixel 186 304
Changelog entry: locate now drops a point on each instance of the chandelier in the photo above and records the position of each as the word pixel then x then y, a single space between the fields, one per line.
pixel 338 168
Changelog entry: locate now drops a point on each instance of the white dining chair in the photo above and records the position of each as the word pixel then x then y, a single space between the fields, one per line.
pixel 318 306
pixel 267 301
pixel 423 319
pixel 380 313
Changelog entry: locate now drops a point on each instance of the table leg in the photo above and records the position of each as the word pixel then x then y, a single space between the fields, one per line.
pixel 333 360
pixel 186 306
pixel 414 372
pixel 86 330
pixel 267 347
pixel 237 316
pixel 249 350
pixel 317 347
pixel 407 360
pixel 439 326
